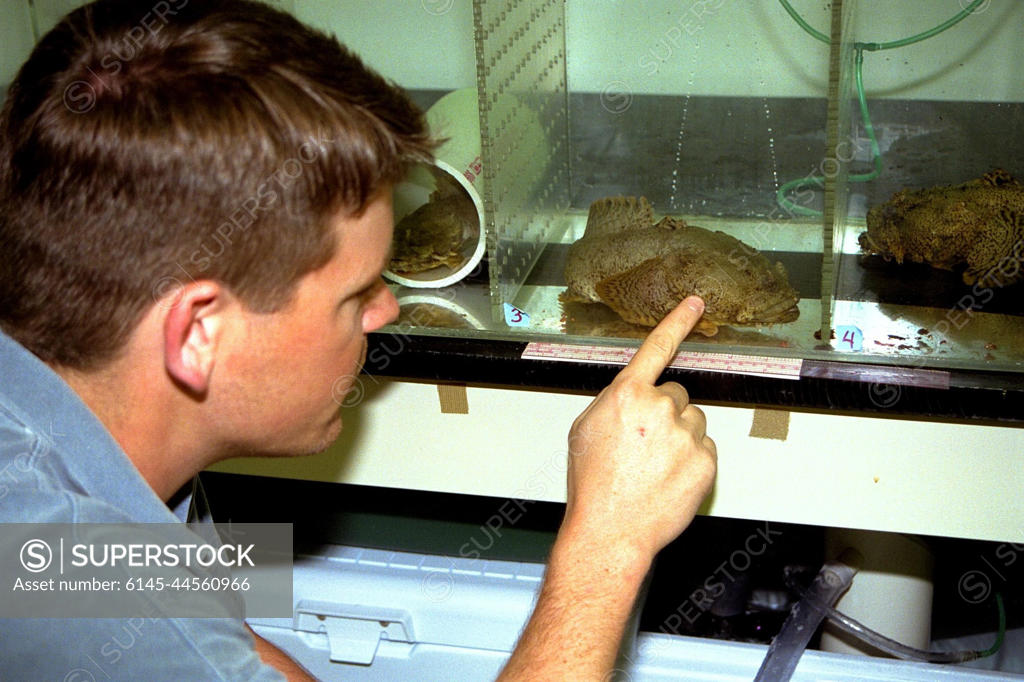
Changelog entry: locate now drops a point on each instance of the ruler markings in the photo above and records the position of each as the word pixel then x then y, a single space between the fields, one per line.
pixel 783 368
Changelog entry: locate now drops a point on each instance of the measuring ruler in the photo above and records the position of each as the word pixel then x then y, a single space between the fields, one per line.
pixel 753 365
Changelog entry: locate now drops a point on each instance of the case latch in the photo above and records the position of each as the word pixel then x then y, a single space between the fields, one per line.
pixel 353 631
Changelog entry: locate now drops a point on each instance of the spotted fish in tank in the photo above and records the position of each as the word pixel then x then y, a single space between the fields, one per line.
pixel 978 224
pixel 642 270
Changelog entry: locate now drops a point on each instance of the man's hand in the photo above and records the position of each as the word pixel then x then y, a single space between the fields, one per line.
pixel 640 463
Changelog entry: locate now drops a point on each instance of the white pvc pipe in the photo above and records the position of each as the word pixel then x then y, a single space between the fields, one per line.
pixel 456 117
pixel 891 593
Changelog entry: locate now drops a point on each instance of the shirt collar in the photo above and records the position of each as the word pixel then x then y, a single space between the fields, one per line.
pixel 44 402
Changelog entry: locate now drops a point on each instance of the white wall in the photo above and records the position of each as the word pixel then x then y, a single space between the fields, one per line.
pixel 753 48
pixel 702 47
pixel 875 473
pixel 15 38
pixel 423 44
pixel 978 59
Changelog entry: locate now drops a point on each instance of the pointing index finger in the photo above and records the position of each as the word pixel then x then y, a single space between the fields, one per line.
pixel 661 344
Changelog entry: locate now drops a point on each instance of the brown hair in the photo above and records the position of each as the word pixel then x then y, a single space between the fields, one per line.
pixel 145 146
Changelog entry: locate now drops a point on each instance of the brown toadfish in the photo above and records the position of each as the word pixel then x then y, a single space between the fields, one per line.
pixel 642 270
pixel 433 234
pixel 979 224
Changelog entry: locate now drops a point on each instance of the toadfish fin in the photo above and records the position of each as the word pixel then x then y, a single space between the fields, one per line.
pixel 611 215
pixel 668 223
pixel 644 294
pixel 636 294
pixel 705 327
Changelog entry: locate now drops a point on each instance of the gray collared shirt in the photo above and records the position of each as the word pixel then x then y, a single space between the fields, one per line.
pixel 59 464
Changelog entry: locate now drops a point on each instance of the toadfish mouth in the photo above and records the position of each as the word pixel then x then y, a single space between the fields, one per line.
pixel 870 247
pixel 783 311
pixel 868 244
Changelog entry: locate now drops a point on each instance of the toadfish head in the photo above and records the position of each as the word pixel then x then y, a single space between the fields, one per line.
pixel 882 236
pixel 782 309
pixel 765 298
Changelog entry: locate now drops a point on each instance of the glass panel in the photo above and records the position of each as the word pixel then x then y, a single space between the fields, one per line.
pixel 523 122
pixel 684 104
pixel 942 107
pixel 718 114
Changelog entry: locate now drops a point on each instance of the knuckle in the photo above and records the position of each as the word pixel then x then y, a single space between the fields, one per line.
pixel 661 341
pixel 626 390
pixel 694 443
pixel 696 415
pixel 666 403
pixel 709 462
pixel 678 390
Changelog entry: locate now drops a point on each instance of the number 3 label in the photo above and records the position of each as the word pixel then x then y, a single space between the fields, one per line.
pixel 514 317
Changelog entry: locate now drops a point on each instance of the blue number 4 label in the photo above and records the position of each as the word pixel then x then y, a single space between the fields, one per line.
pixel 849 337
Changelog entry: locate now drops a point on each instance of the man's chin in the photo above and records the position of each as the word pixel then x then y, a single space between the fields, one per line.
pixel 332 435
pixel 314 446
pixel 326 441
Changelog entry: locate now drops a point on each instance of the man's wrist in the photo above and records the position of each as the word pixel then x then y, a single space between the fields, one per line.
pixel 597 554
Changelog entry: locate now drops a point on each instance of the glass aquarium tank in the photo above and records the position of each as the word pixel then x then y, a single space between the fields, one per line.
pixel 835 179
pixel 928 253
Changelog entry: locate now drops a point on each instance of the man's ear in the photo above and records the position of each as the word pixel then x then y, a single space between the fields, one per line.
pixel 192 327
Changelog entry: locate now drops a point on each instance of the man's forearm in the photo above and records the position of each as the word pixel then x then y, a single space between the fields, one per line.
pixel 581 613
pixel 640 462
pixel 276 658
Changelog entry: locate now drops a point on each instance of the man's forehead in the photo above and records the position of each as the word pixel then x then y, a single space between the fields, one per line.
pixel 364 239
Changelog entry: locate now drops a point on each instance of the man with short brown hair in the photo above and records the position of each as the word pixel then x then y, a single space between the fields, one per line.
pixel 195 208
